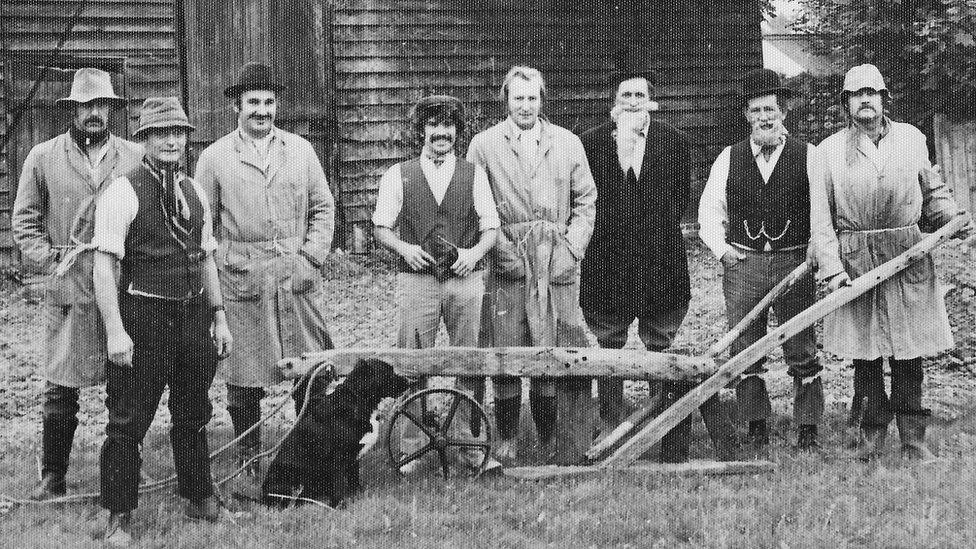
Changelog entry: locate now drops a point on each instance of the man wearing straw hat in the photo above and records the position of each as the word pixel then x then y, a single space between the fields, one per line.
pixel 878 183
pixel 446 219
pixel 163 314
pixel 273 218
pixel 52 223
pixel 755 217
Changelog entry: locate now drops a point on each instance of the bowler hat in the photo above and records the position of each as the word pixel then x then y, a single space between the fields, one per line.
pixel 89 84
pixel 760 82
pixel 864 76
pixel 623 74
pixel 162 112
pixel 254 76
pixel 437 104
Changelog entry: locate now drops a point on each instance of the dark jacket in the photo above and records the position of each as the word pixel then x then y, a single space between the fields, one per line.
pixel 636 261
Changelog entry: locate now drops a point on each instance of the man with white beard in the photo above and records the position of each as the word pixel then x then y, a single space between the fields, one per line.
pixel 755 217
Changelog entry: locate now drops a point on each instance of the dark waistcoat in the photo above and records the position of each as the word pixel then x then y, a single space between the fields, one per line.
pixel 157 261
pixel 438 229
pixel 777 211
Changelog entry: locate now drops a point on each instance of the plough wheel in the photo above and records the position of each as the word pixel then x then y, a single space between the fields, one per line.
pixel 437 417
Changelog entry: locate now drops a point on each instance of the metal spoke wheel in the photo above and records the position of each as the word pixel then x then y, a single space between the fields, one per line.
pixel 447 423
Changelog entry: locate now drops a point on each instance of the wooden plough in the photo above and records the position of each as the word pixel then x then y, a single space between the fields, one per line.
pixel 550 362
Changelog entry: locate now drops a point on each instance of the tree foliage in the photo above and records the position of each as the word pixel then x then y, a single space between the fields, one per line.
pixel 925 48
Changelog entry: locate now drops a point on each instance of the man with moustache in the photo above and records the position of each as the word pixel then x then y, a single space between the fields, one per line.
pixel 443 208
pixel 878 184
pixel 274 219
pixel 636 265
pixel 545 196
pixel 755 217
pixel 52 222
pixel 157 289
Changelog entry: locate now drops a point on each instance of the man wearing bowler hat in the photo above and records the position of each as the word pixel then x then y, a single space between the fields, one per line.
pixel 636 265
pixel 274 218
pixel 446 219
pixel 52 223
pixel 157 289
pixel 755 217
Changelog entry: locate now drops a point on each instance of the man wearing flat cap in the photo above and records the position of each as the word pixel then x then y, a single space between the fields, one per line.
pixel 755 217
pixel 545 196
pixel 636 266
pixel 163 314
pixel 52 223
pixel 445 215
pixel 878 184
pixel 273 218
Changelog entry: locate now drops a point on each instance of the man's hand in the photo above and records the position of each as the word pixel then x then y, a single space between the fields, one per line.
pixel 222 340
pixel 119 347
pixel 467 260
pixel 415 256
pixel 838 281
pixel 731 257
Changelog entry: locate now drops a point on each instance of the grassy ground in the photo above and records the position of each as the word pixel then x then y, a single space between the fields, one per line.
pixel 811 500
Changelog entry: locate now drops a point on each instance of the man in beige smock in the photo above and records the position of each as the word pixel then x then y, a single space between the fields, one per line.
pixel 546 199
pixel 274 218
pixel 878 185
pixel 52 221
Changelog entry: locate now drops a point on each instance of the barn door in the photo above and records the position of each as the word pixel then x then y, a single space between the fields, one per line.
pixel 32 88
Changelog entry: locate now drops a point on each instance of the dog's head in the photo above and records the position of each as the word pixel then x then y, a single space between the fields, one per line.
pixel 376 380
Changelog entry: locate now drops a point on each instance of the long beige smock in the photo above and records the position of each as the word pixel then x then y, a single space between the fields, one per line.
pixel 53 220
pixel 866 214
pixel 263 216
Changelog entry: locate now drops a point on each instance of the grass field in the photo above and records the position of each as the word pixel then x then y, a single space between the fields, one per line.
pixel 810 500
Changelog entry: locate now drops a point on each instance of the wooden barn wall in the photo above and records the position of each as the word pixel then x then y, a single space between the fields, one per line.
pixel 389 53
pixel 135 37
pixel 8 252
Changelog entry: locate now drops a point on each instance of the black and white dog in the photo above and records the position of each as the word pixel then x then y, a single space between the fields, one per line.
pixel 319 459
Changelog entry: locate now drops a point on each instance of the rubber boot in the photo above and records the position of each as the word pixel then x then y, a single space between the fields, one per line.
pixel 676 443
pixel 807 438
pixel 758 434
pixel 911 430
pixel 872 441
pixel 543 415
pixel 721 430
pixel 58 431
pixel 507 412
pixel 573 429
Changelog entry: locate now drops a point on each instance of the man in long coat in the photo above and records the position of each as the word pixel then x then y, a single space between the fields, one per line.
pixel 636 265
pixel 52 223
pixel 545 196
pixel 878 183
pixel 274 219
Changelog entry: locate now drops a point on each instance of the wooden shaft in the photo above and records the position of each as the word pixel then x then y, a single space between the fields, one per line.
pixel 640 415
pixel 547 362
pixel 659 426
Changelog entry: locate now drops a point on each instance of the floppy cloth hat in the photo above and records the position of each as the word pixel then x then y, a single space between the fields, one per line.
pixel 89 84
pixel 162 112
pixel 864 76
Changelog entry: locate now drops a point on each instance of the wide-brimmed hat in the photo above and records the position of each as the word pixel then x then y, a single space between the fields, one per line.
pixel 89 84
pixel 760 82
pixel 162 112
pixel 864 76
pixel 254 76
pixel 435 104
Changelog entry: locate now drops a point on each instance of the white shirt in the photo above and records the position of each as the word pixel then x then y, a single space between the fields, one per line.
pixel 259 146
pixel 389 199
pixel 713 211
pixel 94 160
pixel 528 140
pixel 636 161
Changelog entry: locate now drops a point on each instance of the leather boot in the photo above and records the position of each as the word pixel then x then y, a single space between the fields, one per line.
pixel 911 430
pixel 507 411
pixel 573 422
pixel 676 443
pixel 758 434
pixel 807 439
pixel 56 439
pixel 543 415
pixel 118 530
pixel 721 430
pixel 871 444
pixel 243 418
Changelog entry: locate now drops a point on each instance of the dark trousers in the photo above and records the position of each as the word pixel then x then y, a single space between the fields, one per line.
pixel 172 346
pixel 745 284
pixel 60 419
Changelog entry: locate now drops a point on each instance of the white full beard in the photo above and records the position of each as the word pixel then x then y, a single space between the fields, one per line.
pixel 772 136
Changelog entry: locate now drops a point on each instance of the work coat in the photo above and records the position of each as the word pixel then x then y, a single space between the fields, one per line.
pixel 867 213
pixel 262 219
pixel 547 209
pixel 53 219
pixel 636 262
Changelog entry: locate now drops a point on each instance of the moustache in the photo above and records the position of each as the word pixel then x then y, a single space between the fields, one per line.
pixel 94 119
pixel 447 138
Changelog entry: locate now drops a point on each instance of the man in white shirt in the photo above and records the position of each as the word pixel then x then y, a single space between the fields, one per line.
pixel 755 217
pixel 437 213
